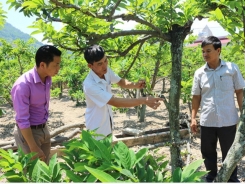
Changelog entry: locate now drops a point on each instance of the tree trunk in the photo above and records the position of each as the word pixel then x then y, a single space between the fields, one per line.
pixel 236 152
pixel 141 108
pixel 141 113
pixel 174 96
pixel 60 84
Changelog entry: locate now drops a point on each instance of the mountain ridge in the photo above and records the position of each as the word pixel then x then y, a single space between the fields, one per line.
pixel 11 33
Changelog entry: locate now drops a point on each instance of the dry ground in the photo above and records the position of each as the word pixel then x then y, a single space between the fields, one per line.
pixel 64 111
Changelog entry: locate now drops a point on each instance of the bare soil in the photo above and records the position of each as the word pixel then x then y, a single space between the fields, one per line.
pixel 64 111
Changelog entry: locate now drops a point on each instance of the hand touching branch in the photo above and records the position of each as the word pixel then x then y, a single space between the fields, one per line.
pixel 153 102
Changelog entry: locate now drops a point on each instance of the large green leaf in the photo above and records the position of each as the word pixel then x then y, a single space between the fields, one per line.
pixel 123 154
pixel 196 177
pixel 7 157
pixel 102 151
pixel 150 174
pixel 177 175
pixel 54 169
pixel 190 169
pixel 88 140
pixel 140 154
pixel 15 178
pixel 100 175
pixel 35 173
pixel 74 177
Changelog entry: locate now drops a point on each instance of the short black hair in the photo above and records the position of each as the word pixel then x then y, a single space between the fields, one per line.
pixel 93 53
pixel 212 40
pixel 46 54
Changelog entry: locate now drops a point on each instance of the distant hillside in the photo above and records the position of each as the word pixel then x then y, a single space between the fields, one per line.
pixel 10 33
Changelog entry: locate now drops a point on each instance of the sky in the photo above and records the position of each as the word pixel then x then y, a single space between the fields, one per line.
pixel 21 22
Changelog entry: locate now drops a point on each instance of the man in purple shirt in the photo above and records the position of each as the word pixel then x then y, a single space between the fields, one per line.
pixel 30 95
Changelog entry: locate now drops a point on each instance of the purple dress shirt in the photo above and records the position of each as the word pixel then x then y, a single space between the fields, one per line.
pixel 30 98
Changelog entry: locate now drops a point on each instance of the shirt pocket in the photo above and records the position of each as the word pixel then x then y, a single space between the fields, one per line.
pixel 226 83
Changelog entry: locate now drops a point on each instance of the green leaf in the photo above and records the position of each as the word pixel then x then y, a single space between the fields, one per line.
pixel 123 153
pixel 100 175
pixel 140 154
pixel 73 176
pixel 141 172
pixel 7 157
pixel 177 175
pixel 129 174
pixel 18 166
pixel 79 167
pixel 196 177
pixel 219 14
pixel 35 173
pixel 163 165
pixel 159 177
pixel 15 178
pixel 190 169
pixel 30 4
pixel 102 150
pixel 54 167
pixel 35 32
pixel 150 174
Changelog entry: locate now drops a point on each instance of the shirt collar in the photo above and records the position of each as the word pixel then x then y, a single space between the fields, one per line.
pixel 36 76
pixel 222 63
pixel 96 77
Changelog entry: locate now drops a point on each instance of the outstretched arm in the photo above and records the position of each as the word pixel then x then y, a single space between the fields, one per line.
pixel 124 83
pixel 132 102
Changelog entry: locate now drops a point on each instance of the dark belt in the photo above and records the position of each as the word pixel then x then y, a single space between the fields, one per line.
pixel 38 126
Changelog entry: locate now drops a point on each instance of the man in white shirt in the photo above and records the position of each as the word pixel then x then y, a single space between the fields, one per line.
pixel 213 90
pixel 99 98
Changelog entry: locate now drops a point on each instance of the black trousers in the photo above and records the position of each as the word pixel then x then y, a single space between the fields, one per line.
pixel 209 139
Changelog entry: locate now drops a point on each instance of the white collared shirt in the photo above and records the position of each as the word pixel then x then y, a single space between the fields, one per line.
pixel 217 87
pixel 97 93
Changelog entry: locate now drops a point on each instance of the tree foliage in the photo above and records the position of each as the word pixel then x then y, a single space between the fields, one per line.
pixel 2 16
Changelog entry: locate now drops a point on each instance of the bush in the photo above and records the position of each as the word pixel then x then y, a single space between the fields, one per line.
pixel 90 160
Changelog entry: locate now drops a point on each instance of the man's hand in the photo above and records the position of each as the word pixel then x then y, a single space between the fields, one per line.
pixel 193 125
pixel 140 84
pixel 153 102
pixel 39 154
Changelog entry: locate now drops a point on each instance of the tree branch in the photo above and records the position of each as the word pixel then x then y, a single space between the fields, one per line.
pixel 135 57
pixel 125 17
pixel 114 9
pixel 128 17
pixel 94 38
pixel 125 52
pixel 57 3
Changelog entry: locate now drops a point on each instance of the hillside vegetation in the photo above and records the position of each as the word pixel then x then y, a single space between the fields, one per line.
pixel 10 33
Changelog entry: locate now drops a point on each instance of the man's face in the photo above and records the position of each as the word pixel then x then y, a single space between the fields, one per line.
pixel 53 68
pixel 210 55
pixel 99 67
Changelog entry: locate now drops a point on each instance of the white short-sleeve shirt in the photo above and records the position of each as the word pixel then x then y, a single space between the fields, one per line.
pixel 217 87
pixel 97 93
